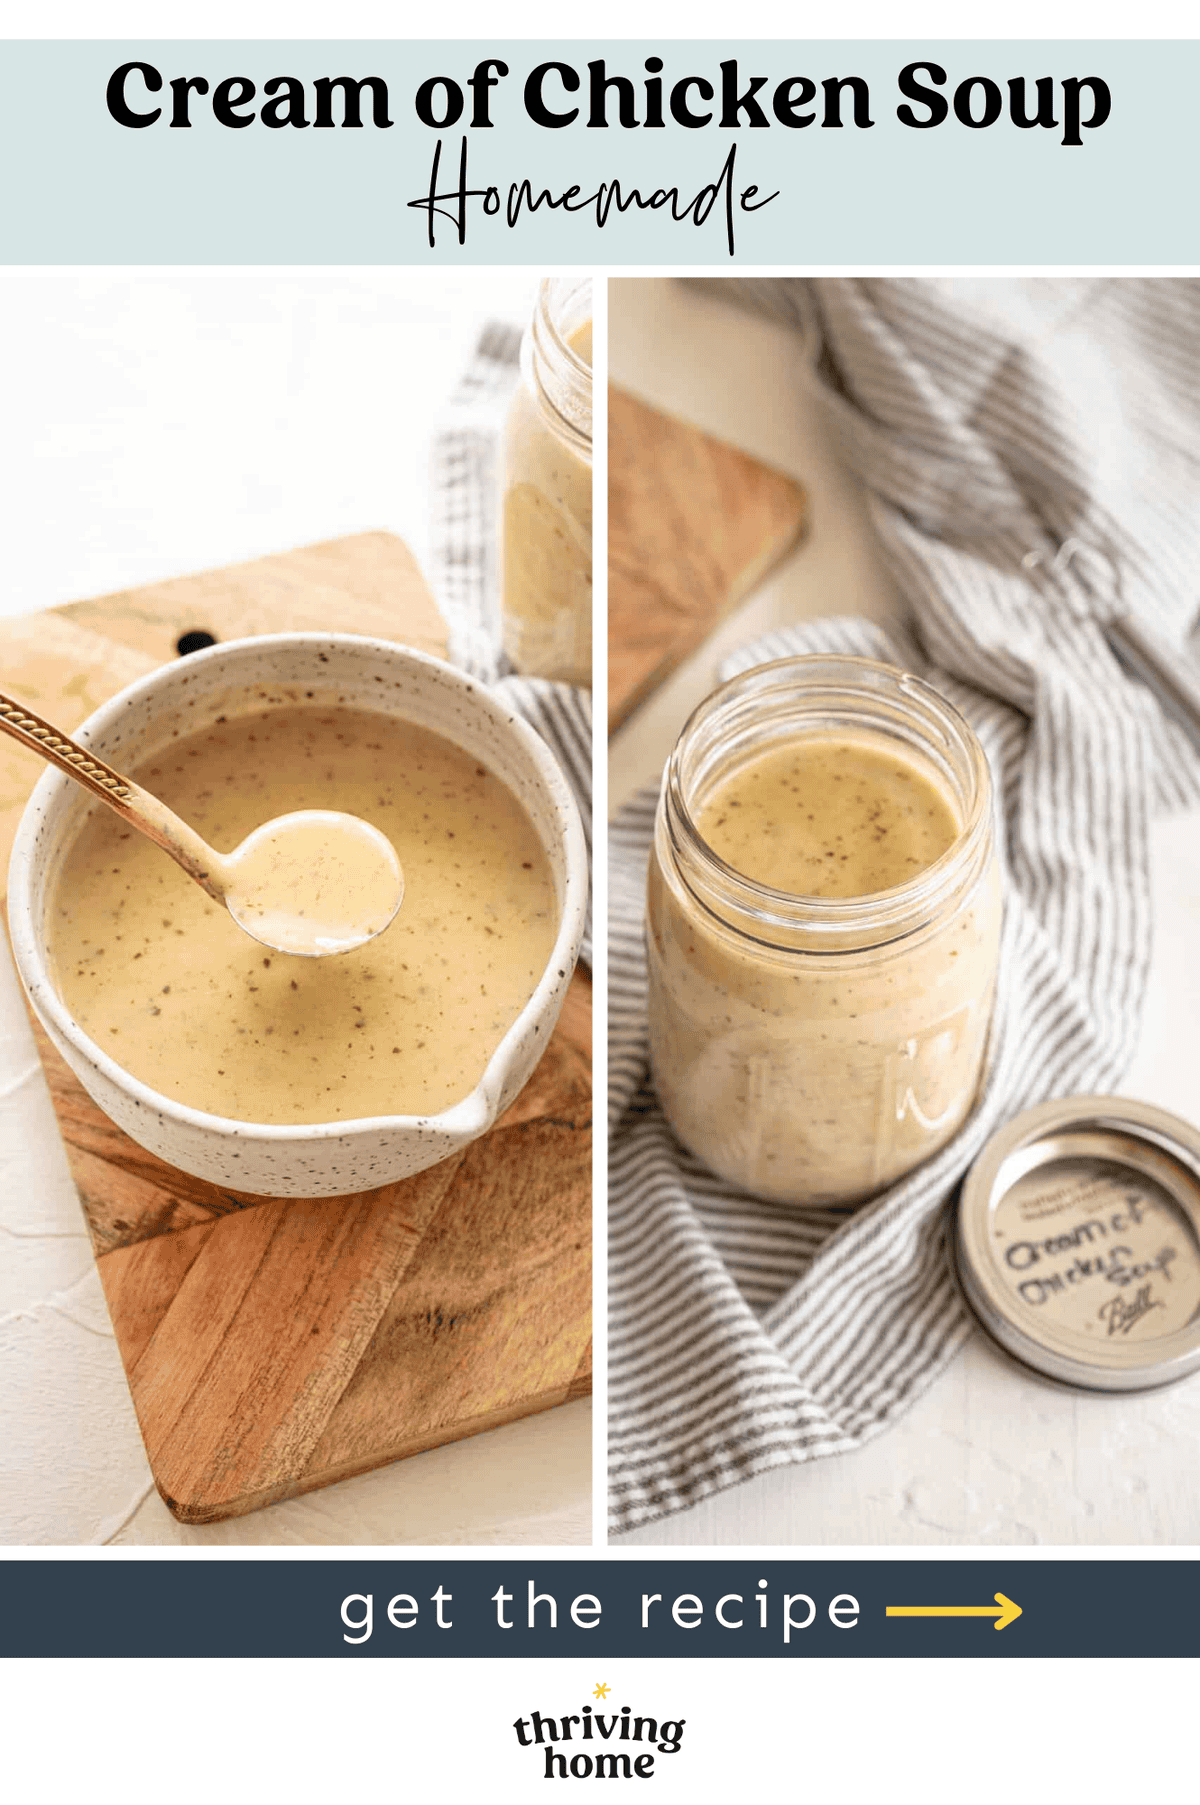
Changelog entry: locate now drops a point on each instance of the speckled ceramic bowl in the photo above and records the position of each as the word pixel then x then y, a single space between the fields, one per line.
pixel 329 1158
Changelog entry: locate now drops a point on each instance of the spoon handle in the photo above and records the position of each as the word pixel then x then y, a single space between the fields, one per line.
pixel 22 724
pixel 126 798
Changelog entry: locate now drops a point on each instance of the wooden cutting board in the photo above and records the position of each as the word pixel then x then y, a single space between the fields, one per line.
pixel 693 526
pixel 276 1346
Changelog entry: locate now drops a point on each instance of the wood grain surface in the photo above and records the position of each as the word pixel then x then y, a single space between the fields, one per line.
pixel 693 526
pixel 276 1346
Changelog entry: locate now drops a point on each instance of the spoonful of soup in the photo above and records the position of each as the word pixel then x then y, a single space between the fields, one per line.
pixel 310 883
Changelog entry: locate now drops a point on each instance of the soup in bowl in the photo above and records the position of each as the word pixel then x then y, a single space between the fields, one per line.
pixel 283 1075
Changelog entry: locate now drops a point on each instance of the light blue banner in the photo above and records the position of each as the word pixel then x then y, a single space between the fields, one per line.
pixel 266 171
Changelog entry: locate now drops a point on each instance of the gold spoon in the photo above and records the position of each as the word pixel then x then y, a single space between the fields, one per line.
pixel 309 883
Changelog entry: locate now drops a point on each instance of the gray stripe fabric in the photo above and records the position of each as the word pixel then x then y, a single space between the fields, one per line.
pixel 466 513
pixel 1031 453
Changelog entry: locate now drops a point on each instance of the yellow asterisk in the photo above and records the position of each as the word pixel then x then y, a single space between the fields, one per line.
pixel 600 1692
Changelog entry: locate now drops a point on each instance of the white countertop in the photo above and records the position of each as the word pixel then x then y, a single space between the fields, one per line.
pixel 989 1455
pixel 158 423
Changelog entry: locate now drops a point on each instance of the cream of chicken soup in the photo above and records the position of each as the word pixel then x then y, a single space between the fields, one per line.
pixel 546 551
pixel 164 980
pixel 823 929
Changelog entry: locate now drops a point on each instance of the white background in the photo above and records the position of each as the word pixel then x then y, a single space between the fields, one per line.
pixel 622 18
pixel 934 1731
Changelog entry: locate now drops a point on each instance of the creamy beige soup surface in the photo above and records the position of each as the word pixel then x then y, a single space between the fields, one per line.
pixel 829 818
pixel 167 983
pixel 815 1078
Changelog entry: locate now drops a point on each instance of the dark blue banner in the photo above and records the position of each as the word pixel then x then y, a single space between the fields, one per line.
pixel 613 1608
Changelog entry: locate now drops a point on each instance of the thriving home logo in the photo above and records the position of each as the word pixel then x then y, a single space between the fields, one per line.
pixel 638 1741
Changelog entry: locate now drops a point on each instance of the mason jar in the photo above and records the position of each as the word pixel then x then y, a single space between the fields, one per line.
pixel 813 1050
pixel 546 489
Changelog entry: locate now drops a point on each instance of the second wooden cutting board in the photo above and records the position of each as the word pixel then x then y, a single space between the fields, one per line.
pixel 693 526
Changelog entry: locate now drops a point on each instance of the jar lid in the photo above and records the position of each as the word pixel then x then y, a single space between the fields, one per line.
pixel 1077 1242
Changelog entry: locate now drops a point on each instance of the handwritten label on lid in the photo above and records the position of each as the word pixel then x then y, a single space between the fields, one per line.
pixel 1097 1249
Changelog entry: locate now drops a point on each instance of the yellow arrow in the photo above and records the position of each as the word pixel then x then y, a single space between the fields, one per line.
pixel 1007 1613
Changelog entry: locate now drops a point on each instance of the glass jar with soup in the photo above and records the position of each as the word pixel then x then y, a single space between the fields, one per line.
pixel 546 484
pixel 823 925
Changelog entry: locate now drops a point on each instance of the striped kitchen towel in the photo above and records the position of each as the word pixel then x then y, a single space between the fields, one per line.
pixel 466 514
pixel 1031 455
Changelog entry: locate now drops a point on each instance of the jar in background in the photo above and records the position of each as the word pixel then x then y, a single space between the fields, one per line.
pixel 546 486
pixel 810 1050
